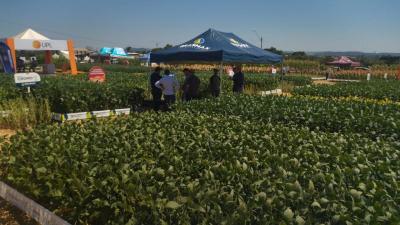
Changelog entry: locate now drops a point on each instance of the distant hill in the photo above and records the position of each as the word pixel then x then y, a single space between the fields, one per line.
pixel 351 54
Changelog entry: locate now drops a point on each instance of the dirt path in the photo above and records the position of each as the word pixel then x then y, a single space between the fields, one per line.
pixel 10 215
pixel 7 132
pixel 324 82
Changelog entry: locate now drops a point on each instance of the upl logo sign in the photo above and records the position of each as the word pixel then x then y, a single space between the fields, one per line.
pixel 238 44
pixel 197 43
pixel 41 44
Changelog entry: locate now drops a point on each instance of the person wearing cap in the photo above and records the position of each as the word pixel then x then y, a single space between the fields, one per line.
pixel 191 85
pixel 169 86
pixel 156 92
pixel 215 84
pixel 238 80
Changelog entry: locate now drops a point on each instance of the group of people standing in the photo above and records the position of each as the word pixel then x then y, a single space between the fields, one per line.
pixel 168 85
pixel 21 65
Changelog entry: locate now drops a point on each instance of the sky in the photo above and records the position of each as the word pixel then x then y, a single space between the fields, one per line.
pixel 291 25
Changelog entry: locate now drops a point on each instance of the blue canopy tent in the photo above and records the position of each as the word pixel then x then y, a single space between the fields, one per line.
pixel 113 52
pixel 106 51
pixel 215 46
pixel 118 52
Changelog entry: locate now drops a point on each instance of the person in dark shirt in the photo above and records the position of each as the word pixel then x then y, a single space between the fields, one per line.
pixel 215 84
pixel 156 92
pixel 191 85
pixel 20 65
pixel 33 66
pixel 238 80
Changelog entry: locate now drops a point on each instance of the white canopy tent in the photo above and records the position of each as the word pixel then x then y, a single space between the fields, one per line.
pixel 30 34
pixel 31 40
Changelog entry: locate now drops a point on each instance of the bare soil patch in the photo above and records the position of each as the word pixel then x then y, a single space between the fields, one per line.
pixel 10 215
pixel 324 82
pixel 7 132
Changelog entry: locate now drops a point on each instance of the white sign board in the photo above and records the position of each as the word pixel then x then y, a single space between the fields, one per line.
pixel 40 45
pixel 26 79
pixel 76 116
pixel 119 112
pixel 103 113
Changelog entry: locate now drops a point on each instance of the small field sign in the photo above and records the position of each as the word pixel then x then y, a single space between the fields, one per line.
pixel 97 74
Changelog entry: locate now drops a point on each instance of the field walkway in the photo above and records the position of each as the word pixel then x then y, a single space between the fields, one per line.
pixel 10 215
pixel 334 80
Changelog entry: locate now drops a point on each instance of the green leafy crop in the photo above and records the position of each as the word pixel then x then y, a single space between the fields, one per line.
pixel 372 89
pixel 371 120
pixel 181 168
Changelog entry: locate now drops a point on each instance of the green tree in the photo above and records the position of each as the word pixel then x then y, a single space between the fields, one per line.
pixel 274 50
pixel 129 49
pixel 390 60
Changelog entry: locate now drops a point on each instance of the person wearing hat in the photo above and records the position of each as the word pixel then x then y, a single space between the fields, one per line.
pixel 191 85
pixel 238 80
pixel 215 84
pixel 156 92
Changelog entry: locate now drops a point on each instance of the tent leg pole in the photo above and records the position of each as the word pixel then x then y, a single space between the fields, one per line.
pixel 149 77
pixel 221 73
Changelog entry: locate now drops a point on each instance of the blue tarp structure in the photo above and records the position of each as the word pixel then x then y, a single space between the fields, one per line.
pixel 113 52
pixel 105 51
pixel 215 46
pixel 118 52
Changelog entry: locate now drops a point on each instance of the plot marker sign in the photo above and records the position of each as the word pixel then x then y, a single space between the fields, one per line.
pixel 97 74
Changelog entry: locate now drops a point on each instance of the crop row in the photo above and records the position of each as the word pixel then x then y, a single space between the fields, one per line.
pixel 115 68
pixel 373 89
pixel 75 94
pixel 253 82
pixel 372 120
pixel 22 113
pixel 208 169
pixel 363 74
pixel 68 95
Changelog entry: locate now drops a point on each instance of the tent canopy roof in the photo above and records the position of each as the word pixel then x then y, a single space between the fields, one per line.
pixel 113 52
pixel 345 61
pixel 216 46
pixel 30 34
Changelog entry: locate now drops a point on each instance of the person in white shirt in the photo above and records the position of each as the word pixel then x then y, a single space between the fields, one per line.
pixel 273 71
pixel 230 71
pixel 169 85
